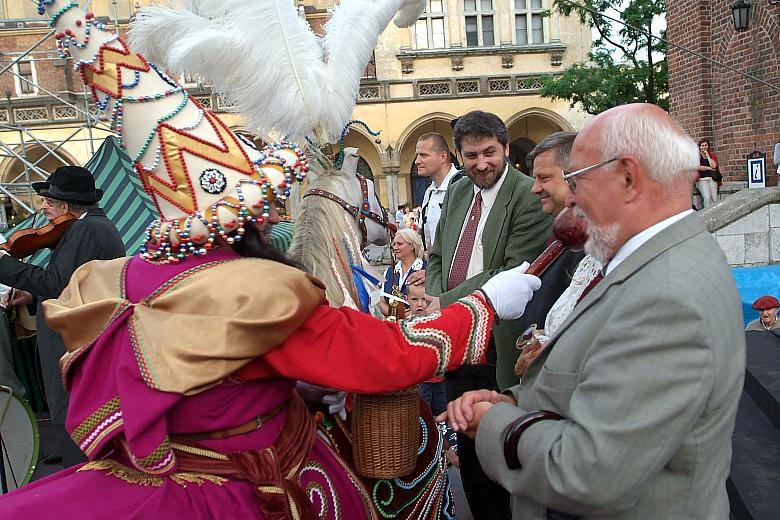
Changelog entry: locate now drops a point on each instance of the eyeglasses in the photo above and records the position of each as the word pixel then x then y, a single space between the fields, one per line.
pixel 569 177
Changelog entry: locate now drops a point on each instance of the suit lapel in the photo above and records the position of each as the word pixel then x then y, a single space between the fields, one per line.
pixel 669 237
pixel 496 220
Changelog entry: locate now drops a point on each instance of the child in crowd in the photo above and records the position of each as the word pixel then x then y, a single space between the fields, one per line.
pixel 432 391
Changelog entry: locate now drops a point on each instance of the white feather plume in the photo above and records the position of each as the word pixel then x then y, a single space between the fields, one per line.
pixel 409 12
pixel 351 35
pixel 264 58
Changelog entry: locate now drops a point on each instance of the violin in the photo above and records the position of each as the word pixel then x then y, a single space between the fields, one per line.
pixel 25 242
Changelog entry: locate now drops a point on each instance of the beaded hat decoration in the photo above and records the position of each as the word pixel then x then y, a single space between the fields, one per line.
pixel 204 179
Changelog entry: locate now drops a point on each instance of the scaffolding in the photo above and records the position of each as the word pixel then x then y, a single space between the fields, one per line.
pixel 19 137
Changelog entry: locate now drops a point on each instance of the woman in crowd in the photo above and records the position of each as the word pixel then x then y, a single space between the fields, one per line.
pixel 408 253
pixel 709 174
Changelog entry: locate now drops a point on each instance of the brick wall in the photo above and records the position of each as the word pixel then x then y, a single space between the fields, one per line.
pixel 737 113
pixel 49 71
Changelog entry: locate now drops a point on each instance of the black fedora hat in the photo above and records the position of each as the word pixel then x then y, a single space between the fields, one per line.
pixel 71 184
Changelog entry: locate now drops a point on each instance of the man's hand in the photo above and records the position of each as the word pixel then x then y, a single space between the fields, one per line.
pixel 529 352
pixel 416 278
pixel 20 297
pixel 465 412
pixel 433 304
pixel 335 399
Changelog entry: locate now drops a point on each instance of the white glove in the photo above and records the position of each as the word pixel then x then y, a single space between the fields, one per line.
pixel 335 399
pixel 510 291
pixel 336 403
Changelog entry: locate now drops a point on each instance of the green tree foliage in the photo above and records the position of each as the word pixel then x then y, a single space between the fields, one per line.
pixel 624 65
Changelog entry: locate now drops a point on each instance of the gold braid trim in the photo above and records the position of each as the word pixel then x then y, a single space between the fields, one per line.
pixel 94 419
pixel 201 452
pixel 140 478
pixel 196 478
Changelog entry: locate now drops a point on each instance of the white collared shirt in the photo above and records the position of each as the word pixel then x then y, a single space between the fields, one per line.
pixel 417 265
pixel 431 206
pixel 476 264
pixel 636 241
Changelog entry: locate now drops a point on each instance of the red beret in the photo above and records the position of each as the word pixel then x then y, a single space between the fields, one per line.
pixel 766 302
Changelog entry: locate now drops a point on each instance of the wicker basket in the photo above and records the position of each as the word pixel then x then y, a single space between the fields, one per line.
pixel 386 433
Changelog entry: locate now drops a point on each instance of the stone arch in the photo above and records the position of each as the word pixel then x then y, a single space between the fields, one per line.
pixel 15 181
pixel 413 130
pixel 527 128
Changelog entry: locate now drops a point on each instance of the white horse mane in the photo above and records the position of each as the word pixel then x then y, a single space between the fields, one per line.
pixel 326 239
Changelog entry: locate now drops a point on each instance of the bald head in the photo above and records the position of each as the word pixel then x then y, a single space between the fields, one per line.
pixel 648 133
pixel 644 165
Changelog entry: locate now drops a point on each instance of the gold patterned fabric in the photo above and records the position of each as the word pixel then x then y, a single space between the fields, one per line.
pixel 188 335
pixel 139 478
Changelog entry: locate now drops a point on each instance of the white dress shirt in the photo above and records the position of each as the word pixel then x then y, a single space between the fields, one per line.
pixel 640 238
pixel 431 206
pixel 476 264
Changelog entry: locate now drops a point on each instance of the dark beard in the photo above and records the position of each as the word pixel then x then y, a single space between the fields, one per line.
pixel 478 180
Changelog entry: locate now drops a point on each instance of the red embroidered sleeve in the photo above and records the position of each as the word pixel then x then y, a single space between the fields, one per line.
pixel 349 350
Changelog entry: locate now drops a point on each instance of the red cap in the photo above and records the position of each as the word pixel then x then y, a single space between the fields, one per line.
pixel 766 302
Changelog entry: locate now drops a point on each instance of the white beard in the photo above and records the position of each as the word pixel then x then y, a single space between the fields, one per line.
pixel 601 239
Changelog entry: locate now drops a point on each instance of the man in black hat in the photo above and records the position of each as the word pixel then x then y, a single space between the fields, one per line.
pixel 70 189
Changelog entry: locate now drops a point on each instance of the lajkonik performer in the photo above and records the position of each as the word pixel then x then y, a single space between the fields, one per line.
pixel 182 360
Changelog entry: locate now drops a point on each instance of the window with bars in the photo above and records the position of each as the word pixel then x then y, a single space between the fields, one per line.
pixel 25 82
pixel 529 24
pixel 429 31
pixel 478 19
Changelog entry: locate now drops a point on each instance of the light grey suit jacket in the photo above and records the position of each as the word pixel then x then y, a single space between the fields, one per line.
pixel 648 372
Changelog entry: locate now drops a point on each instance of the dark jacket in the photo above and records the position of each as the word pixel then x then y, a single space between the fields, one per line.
pixel 93 237
pixel 555 280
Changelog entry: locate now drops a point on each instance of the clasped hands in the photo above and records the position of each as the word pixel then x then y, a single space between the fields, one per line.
pixel 465 412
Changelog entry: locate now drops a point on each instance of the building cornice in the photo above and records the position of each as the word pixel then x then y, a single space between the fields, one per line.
pixel 479 51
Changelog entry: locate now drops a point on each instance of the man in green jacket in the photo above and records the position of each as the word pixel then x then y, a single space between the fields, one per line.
pixel 489 222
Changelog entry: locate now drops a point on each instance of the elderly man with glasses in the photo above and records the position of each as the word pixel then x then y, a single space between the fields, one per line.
pixel 629 412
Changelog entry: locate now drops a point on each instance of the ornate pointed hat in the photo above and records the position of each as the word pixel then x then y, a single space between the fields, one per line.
pixel 204 179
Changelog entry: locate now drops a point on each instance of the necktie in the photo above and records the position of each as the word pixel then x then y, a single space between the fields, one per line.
pixel 460 264
pixel 593 283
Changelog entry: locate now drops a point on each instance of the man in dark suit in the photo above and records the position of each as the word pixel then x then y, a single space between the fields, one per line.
pixel 546 162
pixel 70 189
pixel 489 222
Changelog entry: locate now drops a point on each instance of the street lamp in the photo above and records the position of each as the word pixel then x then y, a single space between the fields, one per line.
pixel 740 12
